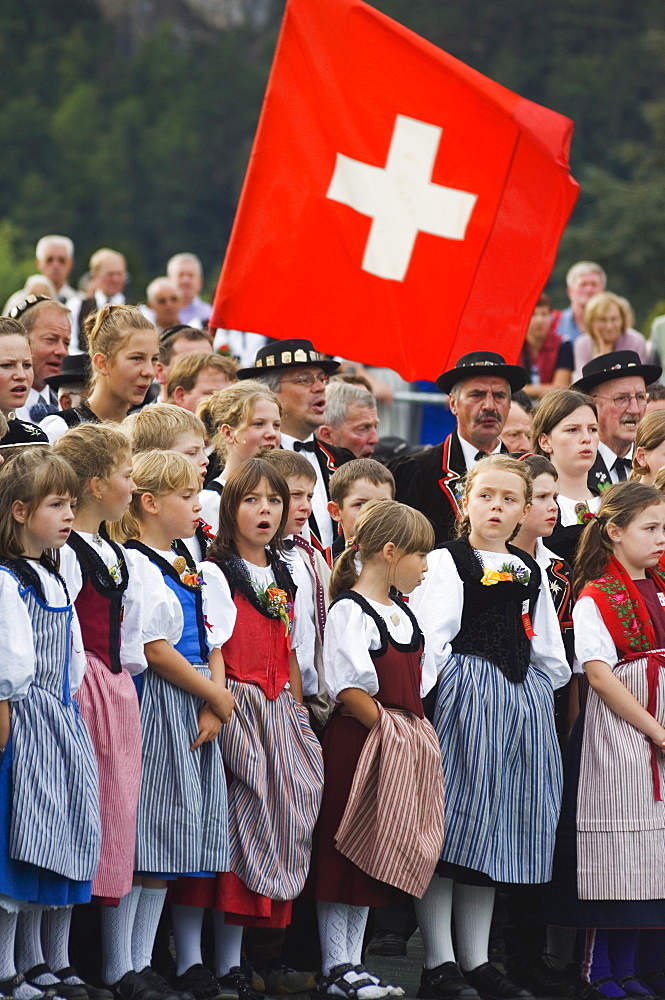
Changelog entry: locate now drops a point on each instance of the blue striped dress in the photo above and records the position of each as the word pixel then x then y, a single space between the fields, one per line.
pixel 501 760
pixel 50 832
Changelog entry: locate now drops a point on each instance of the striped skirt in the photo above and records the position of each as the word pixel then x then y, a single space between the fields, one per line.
pixel 620 825
pixel 55 811
pixel 110 708
pixel 501 770
pixel 182 814
pixel 276 766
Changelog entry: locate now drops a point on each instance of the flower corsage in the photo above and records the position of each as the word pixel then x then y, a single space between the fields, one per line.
pixel 115 571
pixel 507 574
pixel 276 602
pixel 190 577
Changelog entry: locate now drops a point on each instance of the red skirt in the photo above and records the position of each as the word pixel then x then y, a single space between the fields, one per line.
pixel 333 878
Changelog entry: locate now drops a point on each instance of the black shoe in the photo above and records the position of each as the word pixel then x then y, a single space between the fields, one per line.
pixel 236 984
pixel 138 986
pixel 583 990
pixel 631 987
pixel 493 985
pixel 445 982
pixel 200 983
pixel 94 992
pixel 387 943
pixel 540 978
pixel 8 986
pixel 68 991
pixel 159 984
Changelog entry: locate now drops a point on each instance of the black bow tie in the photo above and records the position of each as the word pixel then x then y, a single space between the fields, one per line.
pixel 304 445
pixel 479 455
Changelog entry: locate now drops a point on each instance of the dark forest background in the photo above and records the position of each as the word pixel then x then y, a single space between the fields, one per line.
pixel 140 142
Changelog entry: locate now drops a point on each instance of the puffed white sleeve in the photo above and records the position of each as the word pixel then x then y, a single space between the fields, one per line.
pixel 162 615
pixel 132 652
pixel 547 650
pixel 592 639
pixel 218 607
pixel 346 660
pixel 437 604
pixel 54 427
pixel 17 652
pixel 77 659
pixel 70 570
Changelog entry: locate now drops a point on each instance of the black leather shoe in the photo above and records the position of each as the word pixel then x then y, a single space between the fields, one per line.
pixel 445 982
pixel 540 978
pixel 493 985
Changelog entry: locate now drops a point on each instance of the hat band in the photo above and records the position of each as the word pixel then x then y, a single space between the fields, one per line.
pixel 289 358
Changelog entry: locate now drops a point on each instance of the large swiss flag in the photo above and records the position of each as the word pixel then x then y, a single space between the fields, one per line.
pixel 399 208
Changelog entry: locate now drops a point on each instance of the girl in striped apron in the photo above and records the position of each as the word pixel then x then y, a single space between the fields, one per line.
pixel 49 806
pixel 108 597
pixel 182 811
pixel 385 830
pixel 270 752
pixel 488 616
pixel 610 872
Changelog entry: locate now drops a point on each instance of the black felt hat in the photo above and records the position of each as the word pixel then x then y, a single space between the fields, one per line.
pixel 287 354
pixel 75 369
pixel 484 363
pixel 617 364
pixel 22 433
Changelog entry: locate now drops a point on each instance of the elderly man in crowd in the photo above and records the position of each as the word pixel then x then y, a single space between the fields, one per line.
pixel 350 419
pixel 298 374
pixel 54 256
pixel 185 271
pixel 583 280
pixel 173 343
pixel 479 386
pixel 164 303
pixel 617 383
pixel 108 276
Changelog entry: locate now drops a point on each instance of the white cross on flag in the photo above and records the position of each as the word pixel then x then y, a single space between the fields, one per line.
pixel 399 208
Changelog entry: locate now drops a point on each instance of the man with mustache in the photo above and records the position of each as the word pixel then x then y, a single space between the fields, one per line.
pixel 479 387
pixel 617 382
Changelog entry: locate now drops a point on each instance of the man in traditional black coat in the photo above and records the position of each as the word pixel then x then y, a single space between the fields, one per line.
pixel 479 387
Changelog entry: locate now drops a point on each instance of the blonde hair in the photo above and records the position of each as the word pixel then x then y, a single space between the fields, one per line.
pixel 598 304
pixel 650 433
pixel 93 450
pixel 157 427
pixel 234 406
pixel 187 368
pixel 380 522
pixel 108 329
pixel 31 476
pixel 158 473
pixel 500 463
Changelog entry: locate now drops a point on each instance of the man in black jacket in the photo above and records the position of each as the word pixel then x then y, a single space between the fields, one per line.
pixel 298 374
pixel 479 387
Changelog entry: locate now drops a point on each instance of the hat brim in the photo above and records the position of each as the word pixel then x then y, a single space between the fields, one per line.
pixel 515 376
pixel 329 368
pixel 55 382
pixel 650 374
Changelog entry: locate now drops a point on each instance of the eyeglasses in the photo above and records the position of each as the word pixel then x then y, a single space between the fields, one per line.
pixel 622 401
pixel 308 379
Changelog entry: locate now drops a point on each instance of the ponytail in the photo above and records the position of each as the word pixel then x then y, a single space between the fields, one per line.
pixel 344 574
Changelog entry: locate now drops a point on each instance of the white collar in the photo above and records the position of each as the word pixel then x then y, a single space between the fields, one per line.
pixel 470 451
pixel 609 457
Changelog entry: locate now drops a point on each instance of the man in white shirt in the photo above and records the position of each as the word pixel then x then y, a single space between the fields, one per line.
pixel 185 271
pixel 54 256
pixel 108 276
pixel 617 383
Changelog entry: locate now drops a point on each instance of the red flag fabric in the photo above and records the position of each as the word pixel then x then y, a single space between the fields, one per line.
pixel 399 208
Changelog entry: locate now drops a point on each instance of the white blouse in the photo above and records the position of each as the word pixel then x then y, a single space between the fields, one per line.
pixel 162 617
pixel 222 612
pixel 349 636
pixel 18 661
pixel 132 655
pixel 568 512
pixel 439 603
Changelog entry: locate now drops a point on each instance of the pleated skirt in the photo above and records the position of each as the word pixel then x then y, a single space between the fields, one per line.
pixel 501 768
pixel 182 821
pixel 276 771
pixel 110 707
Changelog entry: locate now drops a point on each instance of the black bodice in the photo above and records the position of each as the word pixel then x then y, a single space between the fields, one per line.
pixel 492 626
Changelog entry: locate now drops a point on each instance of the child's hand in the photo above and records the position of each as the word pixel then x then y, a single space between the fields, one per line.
pixel 209 727
pixel 222 703
pixel 658 738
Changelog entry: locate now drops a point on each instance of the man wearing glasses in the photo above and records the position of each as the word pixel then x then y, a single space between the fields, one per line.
pixel 298 374
pixel 617 382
